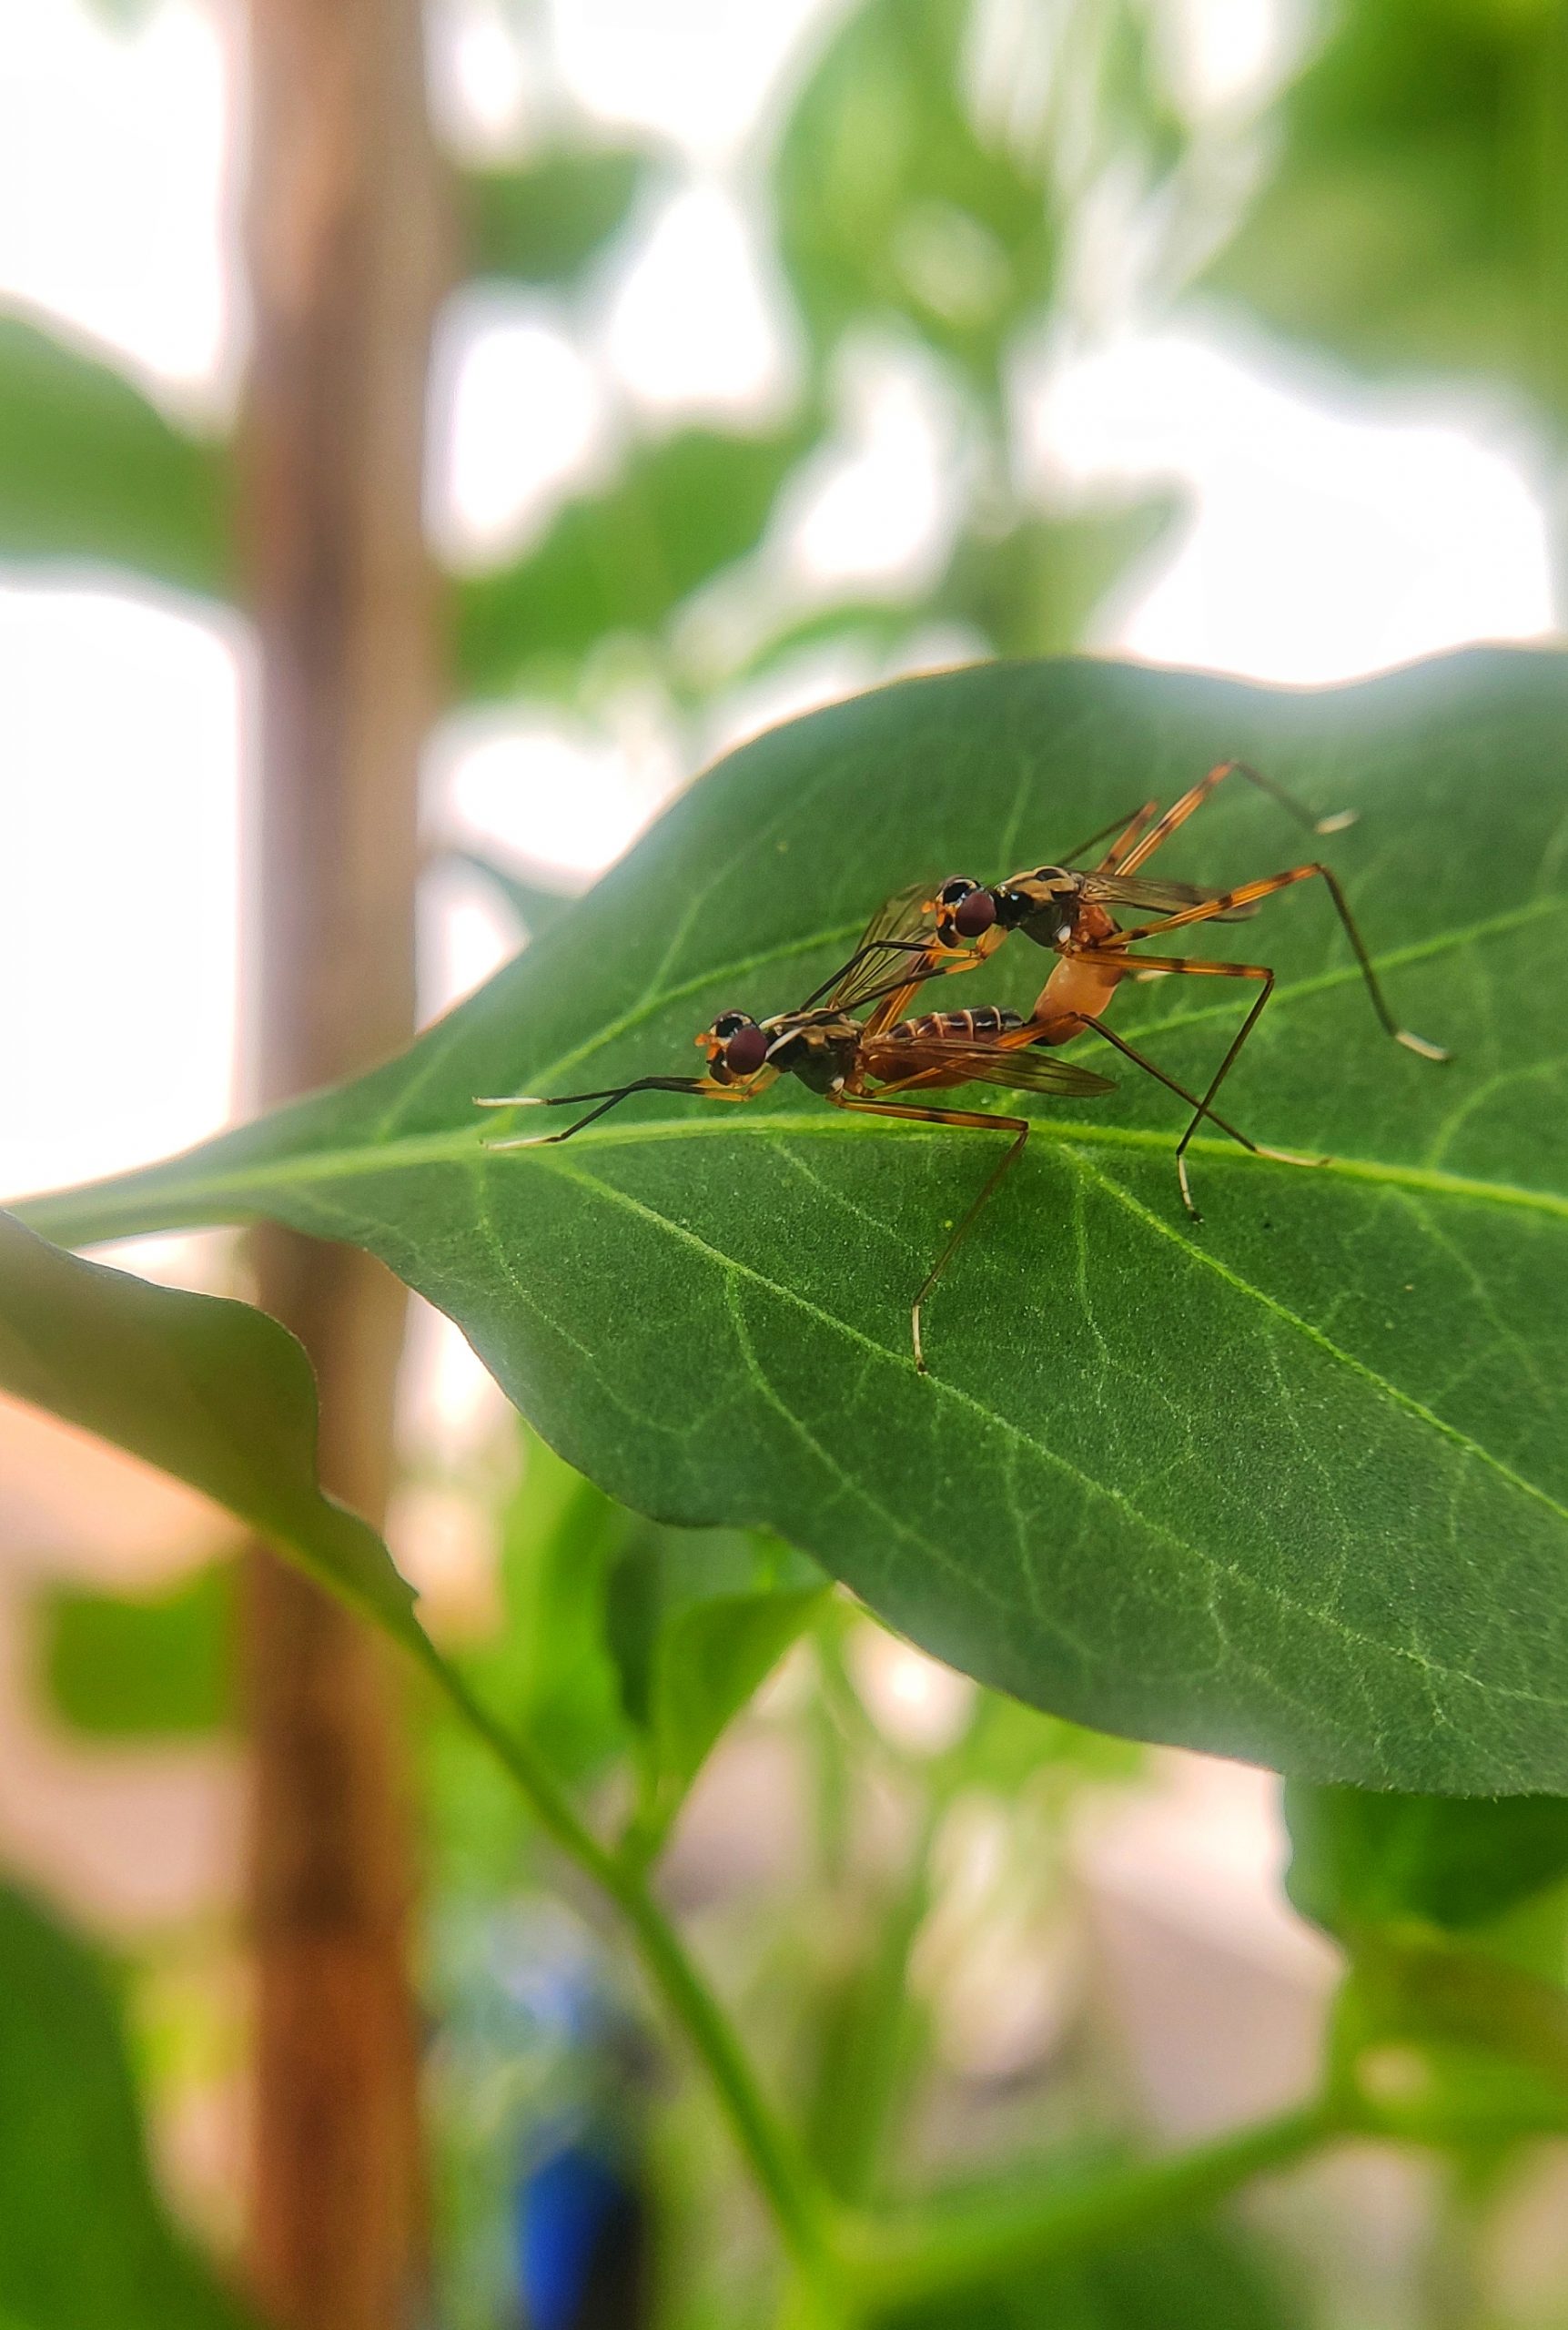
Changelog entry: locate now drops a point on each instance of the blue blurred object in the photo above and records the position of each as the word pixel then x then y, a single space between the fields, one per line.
pixel 580 2240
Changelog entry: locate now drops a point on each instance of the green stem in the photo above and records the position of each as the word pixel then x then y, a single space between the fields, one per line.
pixel 933 2257
pixel 780 2169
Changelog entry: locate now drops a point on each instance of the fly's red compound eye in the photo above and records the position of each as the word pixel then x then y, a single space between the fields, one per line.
pixel 746 1051
pixel 974 915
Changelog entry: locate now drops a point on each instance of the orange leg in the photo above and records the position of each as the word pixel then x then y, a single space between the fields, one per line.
pixel 1127 830
pixel 972 1119
pixel 1247 893
pixel 1182 966
pixel 1086 1023
pixel 1197 794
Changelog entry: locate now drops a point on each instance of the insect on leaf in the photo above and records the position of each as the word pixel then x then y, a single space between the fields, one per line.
pixel 1291 1484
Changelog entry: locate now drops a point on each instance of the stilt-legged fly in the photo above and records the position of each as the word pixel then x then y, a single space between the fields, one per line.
pixel 1068 909
pixel 868 1065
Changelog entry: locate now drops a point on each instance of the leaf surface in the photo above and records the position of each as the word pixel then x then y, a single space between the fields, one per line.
pixel 211 1391
pixel 621 560
pixel 542 222
pixel 1291 1485
pixel 1360 1860
pixel 84 2238
pixel 90 471
pixel 1408 224
pixel 697 1621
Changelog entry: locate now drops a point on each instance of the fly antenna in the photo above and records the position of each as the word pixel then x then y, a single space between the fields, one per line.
pixel 605 1101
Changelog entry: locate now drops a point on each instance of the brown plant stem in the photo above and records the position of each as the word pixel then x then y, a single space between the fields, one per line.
pixel 342 242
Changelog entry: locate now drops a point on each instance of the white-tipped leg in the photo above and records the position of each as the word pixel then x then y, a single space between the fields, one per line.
pixel 1187 1199
pixel 1289 1156
pixel 1419 1045
pixel 526 1140
pixel 512 1101
pixel 1339 822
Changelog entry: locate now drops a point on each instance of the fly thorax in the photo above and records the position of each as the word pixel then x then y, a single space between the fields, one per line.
pixel 818 1055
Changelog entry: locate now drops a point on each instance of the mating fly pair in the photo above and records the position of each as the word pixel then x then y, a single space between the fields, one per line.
pixel 863 1064
pixel 1067 910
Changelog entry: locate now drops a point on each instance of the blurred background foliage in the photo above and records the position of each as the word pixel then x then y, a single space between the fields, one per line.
pixel 970 189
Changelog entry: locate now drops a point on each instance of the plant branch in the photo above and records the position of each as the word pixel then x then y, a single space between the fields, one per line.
pixel 781 2171
pixel 937 2254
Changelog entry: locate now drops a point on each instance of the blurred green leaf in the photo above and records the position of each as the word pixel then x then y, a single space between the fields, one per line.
pixel 1034 589
pixel 698 1620
pixel 1223 1484
pixel 543 221
pixel 1031 589
pixel 89 471
pixel 892 204
pixel 1361 1860
pixel 1452 2026
pixel 535 906
pixel 549 1671
pixel 622 561
pixel 211 1391
pixel 1414 221
pixel 1172 2278
pixel 151 1669
pixel 85 2242
pixel 1448 2044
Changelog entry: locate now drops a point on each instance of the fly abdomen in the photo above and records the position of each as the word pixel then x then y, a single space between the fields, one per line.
pixel 956 1027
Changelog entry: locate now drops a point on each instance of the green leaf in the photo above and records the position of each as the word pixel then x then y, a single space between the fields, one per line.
pixel 157 1667
pixel 535 906
pixel 1290 1485
pixel 542 222
pixel 84 2239
pixel 549 1671
pixel 90 471
pixel 211 1391
pixel 698 1620
pixel 893 202
pixel 619 562
pixel 1147 2279
pixel 1411 222
pixel 1361 1860
pixel 1034 589
pixel 1448 2045
pixel 1031 589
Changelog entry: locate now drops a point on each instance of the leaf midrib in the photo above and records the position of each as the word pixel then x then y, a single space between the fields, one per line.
pixel 70 1219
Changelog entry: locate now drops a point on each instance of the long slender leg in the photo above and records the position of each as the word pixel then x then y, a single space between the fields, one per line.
pixel 1200 1108
pixel 607 1101
pixel 1247 892
pixel 970 1118
pixel 1221 1073
pixel 1197 794
pixel 1127 829
pixel 1186 966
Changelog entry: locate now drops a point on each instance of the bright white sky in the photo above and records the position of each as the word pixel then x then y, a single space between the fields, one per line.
pixel 1330 535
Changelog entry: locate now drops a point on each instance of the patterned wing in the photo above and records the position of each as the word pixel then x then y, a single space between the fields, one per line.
pixel 1158 897
pixel 943 1061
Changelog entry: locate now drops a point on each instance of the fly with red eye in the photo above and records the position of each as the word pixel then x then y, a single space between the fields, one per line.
pixel 1068 909
pixel 864 1065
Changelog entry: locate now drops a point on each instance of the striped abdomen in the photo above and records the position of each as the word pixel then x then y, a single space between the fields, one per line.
pixel 955 1027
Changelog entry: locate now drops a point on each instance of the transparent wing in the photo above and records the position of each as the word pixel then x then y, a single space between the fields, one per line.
pixel 892 944
pixel 1158 897
pixel 1021 1069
